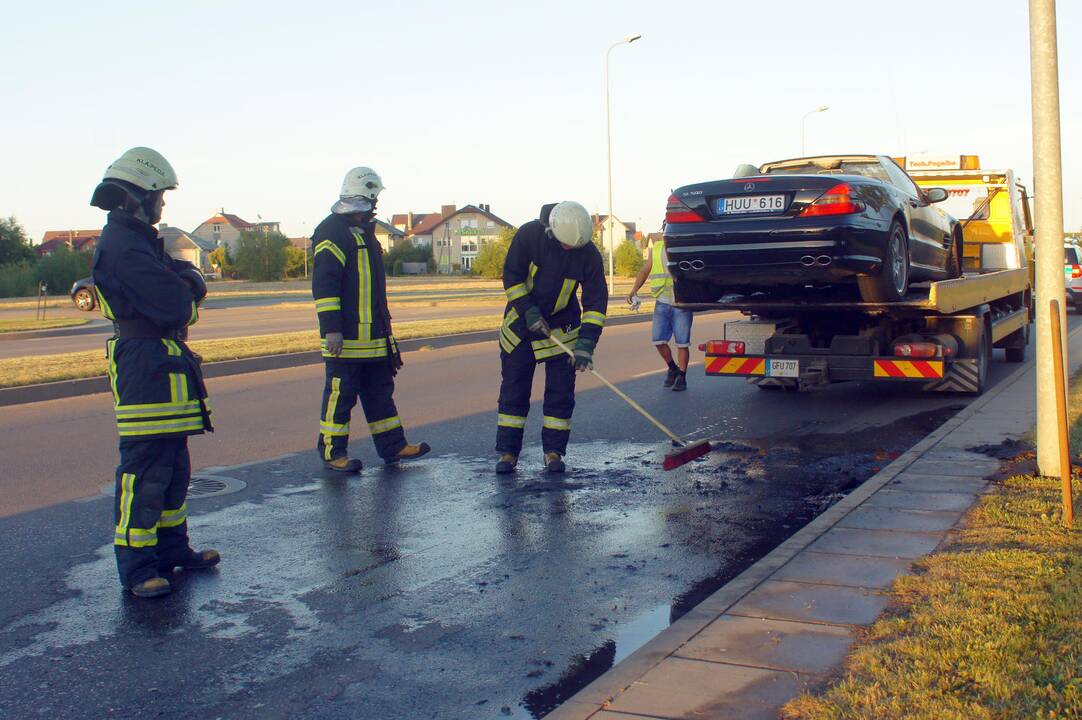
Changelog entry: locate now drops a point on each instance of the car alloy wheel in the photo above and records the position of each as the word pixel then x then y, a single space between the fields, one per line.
pixel 84 300
pixel 899 262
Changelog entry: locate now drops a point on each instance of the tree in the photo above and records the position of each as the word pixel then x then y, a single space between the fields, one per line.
pixel 220 258
pixel 628 259
pixel 14 242
pixel 261 256
pixel 491 256
pixel 295 261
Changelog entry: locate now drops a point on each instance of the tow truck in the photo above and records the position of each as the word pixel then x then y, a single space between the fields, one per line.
pixel 941 335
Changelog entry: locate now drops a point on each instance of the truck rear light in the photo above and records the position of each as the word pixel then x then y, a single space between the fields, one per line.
pixel 723 347
pixel 916 349
pixel 677 212
pixel 838 200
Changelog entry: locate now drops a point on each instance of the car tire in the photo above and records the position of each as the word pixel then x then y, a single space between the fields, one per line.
pixel 984 358
pixel 892 282
pixel 954 259
pixel 84 300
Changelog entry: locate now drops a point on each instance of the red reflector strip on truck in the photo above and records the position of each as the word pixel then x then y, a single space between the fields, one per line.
pixel 735 366
pixel 906 369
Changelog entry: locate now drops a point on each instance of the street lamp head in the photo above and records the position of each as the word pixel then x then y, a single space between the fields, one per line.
pixel 632 38
pixel 821 108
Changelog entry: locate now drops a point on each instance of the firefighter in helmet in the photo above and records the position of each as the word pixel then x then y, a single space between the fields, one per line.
pixel 157 384
pixel 549 260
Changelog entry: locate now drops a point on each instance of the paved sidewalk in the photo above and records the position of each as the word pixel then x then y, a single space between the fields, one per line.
pixel 790 618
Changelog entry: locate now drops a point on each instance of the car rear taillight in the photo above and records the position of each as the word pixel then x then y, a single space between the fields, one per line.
pixel 916 349
pixel 723 347
pixel 677 212
pixel 1076 271
pixel 838 200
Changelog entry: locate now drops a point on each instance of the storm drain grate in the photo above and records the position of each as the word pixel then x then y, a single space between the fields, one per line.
pixel 202 486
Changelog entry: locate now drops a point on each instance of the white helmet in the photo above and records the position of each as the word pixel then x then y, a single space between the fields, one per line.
pixel 144 168
pixel 137 174
pixel 361 182
pixel 570 224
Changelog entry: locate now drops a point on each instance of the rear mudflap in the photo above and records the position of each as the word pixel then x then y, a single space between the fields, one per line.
pixel 961 376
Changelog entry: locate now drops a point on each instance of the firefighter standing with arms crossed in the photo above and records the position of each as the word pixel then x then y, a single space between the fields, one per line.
pixel 361 357
pixel 157 384
pixel 548 260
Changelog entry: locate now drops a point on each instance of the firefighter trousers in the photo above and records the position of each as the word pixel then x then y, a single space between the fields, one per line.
pixel 150 511
pixel 373 383
pixel 514 404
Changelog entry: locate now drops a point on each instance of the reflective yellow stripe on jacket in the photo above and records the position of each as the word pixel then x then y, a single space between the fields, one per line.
pixel 546 348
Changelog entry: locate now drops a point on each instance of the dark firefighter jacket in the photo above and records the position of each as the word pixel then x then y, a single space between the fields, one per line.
pixel 539 272
pixel 350 289
pixel 157 384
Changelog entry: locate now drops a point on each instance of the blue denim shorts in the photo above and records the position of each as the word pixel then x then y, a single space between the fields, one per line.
pixel 669 322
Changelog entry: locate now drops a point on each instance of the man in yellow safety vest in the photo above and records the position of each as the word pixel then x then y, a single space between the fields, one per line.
pixel 669 321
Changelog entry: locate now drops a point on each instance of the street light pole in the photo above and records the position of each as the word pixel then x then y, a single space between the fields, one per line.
pixel 803 122
pixel 608 137
pixel 1048 189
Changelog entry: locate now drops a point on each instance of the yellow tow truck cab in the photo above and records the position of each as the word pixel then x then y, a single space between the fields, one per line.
pixel 992 205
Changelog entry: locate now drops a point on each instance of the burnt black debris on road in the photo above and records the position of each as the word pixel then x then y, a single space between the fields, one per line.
pixel 436 589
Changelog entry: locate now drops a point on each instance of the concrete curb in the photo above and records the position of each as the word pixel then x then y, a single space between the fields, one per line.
pixel 90 386
pixel 594 696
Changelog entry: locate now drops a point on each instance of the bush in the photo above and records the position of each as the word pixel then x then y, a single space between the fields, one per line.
pixel 60 269
pixel 221 259
pixel 261 257
pixel 628 259
pixel 18 279
pixel 405 252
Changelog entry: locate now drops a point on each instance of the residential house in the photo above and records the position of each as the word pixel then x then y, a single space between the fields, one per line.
pixel 183 246
pixel 457 234
pixel 407 221
pixel 388 235
pixel 621 231
pixel 225 229
pixel 76 240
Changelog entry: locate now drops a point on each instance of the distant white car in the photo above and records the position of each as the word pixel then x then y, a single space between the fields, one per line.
pixel 1072 275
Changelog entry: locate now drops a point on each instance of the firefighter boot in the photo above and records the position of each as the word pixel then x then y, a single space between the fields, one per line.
pixel 554 463
pixel 409 452
pixel 344 464
pixel 506 463
pixel 152 588
pixel 194 560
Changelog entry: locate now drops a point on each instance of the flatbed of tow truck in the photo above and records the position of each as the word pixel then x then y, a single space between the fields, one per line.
pixel 941 334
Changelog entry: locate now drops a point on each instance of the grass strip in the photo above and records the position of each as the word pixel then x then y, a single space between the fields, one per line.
pixel 33 369
pixel 988 627
pixel 27 325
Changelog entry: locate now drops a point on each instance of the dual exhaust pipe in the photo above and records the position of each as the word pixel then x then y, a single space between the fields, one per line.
pixel 807 261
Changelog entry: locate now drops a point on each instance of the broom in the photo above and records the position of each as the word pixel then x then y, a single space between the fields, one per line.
pixel 684 453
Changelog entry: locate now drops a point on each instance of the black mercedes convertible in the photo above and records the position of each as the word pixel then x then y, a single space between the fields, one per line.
pixel 817 221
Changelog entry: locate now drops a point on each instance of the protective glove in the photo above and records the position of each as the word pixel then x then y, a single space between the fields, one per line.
pixel 335 340
pixel 584 354
pixel 195 281
pixel 634 302
pixel 395 356
pixel 535 322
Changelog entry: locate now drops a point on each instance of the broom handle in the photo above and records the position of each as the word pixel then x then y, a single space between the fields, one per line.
pixel 623 396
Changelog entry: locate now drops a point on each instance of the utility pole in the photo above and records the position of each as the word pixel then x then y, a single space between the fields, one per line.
pixel 1048 188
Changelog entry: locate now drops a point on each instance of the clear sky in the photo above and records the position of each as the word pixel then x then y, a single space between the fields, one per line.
pixel 262 107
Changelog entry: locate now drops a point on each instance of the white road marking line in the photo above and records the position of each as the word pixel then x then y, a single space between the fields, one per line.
pixel 658 372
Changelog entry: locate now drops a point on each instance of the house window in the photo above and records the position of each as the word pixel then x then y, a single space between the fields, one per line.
pixel 491 225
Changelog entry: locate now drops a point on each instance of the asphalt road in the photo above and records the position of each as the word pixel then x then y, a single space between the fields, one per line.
pixel 434 590
pixel 217 322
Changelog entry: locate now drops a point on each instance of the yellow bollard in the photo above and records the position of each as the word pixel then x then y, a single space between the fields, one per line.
pixel 1061 416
